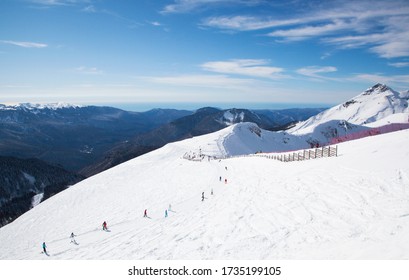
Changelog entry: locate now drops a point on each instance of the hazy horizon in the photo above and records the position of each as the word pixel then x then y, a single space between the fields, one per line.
pixel 191 106
pixel 140 107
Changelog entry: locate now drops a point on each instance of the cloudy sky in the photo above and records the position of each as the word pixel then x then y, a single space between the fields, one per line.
pixel 201 51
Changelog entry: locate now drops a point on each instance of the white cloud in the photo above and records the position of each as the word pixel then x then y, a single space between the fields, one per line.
pixel 47 2
pixel 155 23
pixel 25 44
pixel 227 78
pixel 393 49
pixel 58 2
pixel 325 55
pixel 88 70
pixel 245 23
pixel 387 45
pixel 316 71
pixel 185 6
pixel 388 36
pixel 245 67
pixel 349 42
pixel 379 26
pixel 399 64
pixel 304 32
pixel 89 9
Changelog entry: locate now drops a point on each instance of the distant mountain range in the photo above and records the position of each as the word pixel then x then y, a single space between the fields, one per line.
pixel 72 136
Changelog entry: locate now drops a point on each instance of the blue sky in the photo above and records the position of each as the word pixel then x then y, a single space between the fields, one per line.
pixel 200 51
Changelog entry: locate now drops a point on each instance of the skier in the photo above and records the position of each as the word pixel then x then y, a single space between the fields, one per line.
pixel 45 248
pixel 225 167
pixel 170 207
pixel 104 226
pixel 166 213
pixel 202 196
pixel 145 214
pixel 211 192
pixel 225 181
pixel 220 178
pixel 72 237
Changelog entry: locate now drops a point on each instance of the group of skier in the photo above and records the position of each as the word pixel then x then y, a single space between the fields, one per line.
pixel 72 237
pixel 145 215
pixel 220 179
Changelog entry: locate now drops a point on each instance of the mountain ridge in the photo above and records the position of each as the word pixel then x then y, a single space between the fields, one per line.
pixel 72 136
pixel 371 105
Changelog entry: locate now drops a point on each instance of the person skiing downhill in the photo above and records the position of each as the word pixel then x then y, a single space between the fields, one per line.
pixel 72 238
pixel 104 226
pixel 145 213
pixel 45 248
pixel 166 213
pixel 220 178
pixel 202 196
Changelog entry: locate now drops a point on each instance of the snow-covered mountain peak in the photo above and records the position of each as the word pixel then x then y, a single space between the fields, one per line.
pixel 376 89
pixel 52 106
pixel 374 104
pixel 38 106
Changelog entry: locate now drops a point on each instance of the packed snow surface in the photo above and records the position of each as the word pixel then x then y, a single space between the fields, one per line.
pixel 354 206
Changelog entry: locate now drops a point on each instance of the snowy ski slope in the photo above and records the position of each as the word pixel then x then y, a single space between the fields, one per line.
pixel 355 206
